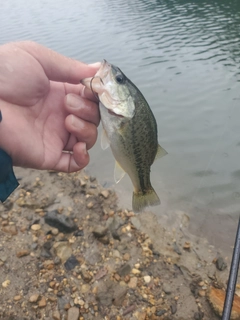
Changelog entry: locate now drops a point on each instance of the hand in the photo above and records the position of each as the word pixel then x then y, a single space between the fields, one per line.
pixel 43 114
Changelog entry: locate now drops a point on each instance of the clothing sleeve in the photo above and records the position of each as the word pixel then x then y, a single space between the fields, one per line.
pixel 8 181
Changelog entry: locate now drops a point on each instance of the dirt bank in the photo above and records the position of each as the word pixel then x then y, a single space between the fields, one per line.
pixel 68 252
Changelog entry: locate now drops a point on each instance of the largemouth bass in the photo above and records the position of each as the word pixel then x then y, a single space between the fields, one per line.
pixel 129 127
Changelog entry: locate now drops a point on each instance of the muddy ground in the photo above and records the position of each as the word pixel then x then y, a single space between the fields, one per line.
pixel 68 252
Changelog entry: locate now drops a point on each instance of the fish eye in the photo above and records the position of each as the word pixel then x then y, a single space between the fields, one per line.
pixel 119 78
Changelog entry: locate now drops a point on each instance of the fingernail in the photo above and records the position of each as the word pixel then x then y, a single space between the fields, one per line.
pixel 72 101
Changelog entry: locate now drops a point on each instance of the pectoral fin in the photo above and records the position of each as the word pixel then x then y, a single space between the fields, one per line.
pixel 104 140
pixel 119 173
pixel 160 152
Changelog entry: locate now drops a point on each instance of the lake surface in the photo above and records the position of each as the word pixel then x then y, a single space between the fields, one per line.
pixel 184 56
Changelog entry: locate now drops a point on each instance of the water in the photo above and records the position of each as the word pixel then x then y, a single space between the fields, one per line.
pixel 184 56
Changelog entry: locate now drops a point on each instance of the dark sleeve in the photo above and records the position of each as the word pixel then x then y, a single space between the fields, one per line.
pixel 8 181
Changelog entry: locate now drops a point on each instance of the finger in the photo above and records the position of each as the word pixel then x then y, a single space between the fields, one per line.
pixel 82 108
pixel 80 90
pixel 83 130
pixel 71 142
pixel 56 66
pixel 72 162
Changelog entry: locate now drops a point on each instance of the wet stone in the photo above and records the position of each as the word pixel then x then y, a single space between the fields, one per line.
pixel 78 233
pixel 173 308
pixel 61 222
pixel 71 263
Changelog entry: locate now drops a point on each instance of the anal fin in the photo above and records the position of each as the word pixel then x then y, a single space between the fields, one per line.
pixel 119 173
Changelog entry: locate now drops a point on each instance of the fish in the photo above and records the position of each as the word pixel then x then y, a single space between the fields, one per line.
pixel 130 129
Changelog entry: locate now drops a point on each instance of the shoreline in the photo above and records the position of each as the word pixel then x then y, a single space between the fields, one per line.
pixel 113 265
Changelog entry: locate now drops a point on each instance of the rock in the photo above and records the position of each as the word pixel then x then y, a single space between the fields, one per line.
pixel 17 298
pixel 34 298
pixel 99 231
pixel 126 256
pixel 42 303
pixel 173 307
pixel 78 233
pixel 63 250
pixel 115 254
pixel 3 257
pixel 110 293
pixel 23 253
pixel 86 276
pixel 6 283
pixel 54 231
pixel 135 221
pixel 166 288
pixel 85 288
pixel 61 222
pixel 198 315
pixel 93 257
pixel 136 271
pixel 104 240
pixel 176 248
pixel 221 264
pixel 73 313
pixel 71 263
pixel 56 315
pixel 216 299
pixel 159 313
pixel 35 227
pixel 124 270
pixel 133 282
pixel 10 229
pixel 147 279
pixel 105 194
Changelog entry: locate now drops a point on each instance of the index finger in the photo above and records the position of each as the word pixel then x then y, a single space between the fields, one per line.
pixel 56 66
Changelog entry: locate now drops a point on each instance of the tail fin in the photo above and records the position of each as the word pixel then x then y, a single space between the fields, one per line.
pixel 141 200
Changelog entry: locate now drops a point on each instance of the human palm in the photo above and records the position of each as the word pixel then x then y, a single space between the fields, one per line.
pixel 43 115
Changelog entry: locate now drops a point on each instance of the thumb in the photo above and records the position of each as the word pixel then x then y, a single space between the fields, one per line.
pixel 58 67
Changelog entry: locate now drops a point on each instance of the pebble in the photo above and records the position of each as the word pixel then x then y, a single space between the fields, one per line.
pixel 71 263
pixel 55 231
pixel 35 227
pixel 124 270
pixel 85 288
pixel 133 282
pixel 126 256
pixel 6 283
pixel 63 250
pixel 99 231
pixel 34 298
pixel 17 298
pixel 42 303
pixel 61 222
pixel 73 313
pixel 10 229
pixel 147 279
pixel 105 194
pixel 166 288
pixel 56 315
pixel 23 253
pixel 221 264
pixel 86 276
pixel 135 271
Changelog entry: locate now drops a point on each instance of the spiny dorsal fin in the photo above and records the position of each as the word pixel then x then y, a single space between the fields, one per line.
pixel 119 173
pixel 160 152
